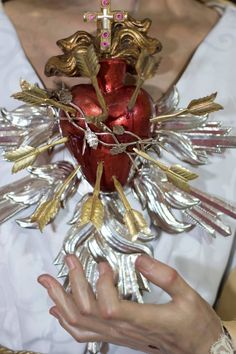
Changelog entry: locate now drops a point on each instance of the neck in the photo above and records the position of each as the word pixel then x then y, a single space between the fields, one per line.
pixel 179 24
pixel 175 8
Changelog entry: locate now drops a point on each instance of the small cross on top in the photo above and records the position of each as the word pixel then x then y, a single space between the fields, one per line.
pixel 106 17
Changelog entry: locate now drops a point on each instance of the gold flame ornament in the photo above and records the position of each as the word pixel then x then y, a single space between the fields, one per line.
pixel 176 174
pixel 49 209
pixel 133 219
pixel 93 209
pixel 105 18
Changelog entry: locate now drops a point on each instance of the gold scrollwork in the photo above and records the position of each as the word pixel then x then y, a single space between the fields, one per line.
pixel 128 40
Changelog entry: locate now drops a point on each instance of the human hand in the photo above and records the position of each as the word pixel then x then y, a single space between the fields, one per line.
pixel 185 325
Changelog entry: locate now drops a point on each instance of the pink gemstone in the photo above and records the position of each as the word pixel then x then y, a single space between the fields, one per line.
pixel 106 34
pixel 119 16
pixel 105 44
pixel 91 17
pixel 105 3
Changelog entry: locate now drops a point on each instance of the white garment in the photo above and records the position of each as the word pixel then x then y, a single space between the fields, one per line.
pixel 25 254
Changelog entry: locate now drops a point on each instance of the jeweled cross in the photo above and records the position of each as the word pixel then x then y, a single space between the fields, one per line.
pixel 106 17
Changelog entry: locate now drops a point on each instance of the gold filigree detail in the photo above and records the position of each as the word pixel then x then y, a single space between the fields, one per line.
pixel 138 25
pixel 128 39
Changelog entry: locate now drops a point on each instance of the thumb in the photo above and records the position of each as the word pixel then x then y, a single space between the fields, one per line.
pixel 162 275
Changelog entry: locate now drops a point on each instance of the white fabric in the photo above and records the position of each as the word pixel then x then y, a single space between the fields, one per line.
pixel 13 63
pixel 25 254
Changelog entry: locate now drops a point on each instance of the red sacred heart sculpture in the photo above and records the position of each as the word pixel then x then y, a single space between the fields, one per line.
pixel 117 96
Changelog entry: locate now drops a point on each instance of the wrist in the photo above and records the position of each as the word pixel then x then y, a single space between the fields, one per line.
pixel 231 328
pixel 224 344
pixel 211 333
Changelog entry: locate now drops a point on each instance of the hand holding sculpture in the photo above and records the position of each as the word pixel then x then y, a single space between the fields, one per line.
pixel 187 324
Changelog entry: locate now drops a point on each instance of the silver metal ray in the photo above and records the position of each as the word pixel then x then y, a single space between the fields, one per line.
pixel 189 137
pixel 181 146
pixel 177 199
pixel 168 103
pixel 26 116
pixel 109 244
pixel 20 195
pixel 39 186
pixel 212 141
pixel 200 209
pixel 215 222
pixel 184 122
pixel 148 184
pixel 61 170
pixel 27 125
pixel 10 136
pixel 221 205
pixel 39 135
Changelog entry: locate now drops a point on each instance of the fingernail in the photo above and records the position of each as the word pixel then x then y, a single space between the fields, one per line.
pixel 44 282
pixel 145 263
pixel 70 262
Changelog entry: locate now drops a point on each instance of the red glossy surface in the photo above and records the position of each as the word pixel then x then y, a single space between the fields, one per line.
pixel 117 96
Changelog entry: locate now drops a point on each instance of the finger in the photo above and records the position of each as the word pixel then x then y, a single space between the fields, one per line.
pixel 110 306
pixel 81 289
pixel 107 296
pixel 82 336
pixel 66 305
pixel 120 313
pixel 163 276
pixel 63 301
